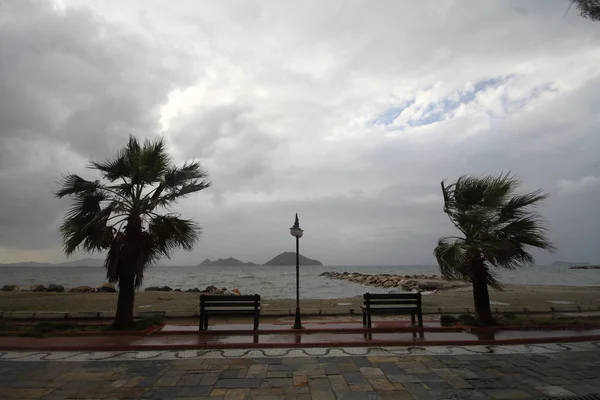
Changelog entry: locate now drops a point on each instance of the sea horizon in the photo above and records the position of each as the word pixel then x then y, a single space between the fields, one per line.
pixel 278 282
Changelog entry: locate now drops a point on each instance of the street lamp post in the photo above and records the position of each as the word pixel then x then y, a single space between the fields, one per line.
pixel 297 233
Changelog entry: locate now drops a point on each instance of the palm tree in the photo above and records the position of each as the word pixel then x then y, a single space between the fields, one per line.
pixel 119 214
pixel 587 8
pixel 498 227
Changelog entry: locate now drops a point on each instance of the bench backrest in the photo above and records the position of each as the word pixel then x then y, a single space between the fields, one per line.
pixel 393 300
pixel 223 301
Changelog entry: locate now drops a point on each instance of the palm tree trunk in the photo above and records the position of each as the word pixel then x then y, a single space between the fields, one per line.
pixel 481 296
pixel 124 316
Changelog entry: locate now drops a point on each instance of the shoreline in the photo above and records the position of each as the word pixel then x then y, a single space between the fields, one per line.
pixel 513 297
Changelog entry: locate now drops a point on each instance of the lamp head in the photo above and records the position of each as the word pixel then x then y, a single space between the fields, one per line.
pixel 295 230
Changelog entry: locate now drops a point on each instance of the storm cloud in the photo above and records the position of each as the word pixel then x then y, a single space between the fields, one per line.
pixel 349 113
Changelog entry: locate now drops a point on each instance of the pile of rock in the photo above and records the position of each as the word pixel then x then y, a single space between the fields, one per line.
pixel 158 289
pixel 209 290
pixel 405 282
pixel 50 288
pixel 110 288
pixel 585 267
pixel 54 288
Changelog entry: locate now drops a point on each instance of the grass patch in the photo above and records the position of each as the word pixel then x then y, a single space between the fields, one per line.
pixel 447 320
pixel 509 317
pixel 143 323
pixel 471 320
pixel 61 326
pixel 47 328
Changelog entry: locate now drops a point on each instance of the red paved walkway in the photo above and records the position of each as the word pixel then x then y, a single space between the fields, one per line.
pixel 280 335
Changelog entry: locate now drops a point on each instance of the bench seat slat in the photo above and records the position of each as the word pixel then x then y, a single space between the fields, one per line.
pixel 393 296
pixel 229 312
pixel 385 302
pixel 230 304
pixel 394 307
pixel 220 297
pixel 393 310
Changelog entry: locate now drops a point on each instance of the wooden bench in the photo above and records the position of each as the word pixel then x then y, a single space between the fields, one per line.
pixel 212 306
pixel 392 304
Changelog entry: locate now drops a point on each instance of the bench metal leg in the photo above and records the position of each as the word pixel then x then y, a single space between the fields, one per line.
pixel 420 316
pixel 369 322
pixel 256 319
pixel 364 318
pixel 412 319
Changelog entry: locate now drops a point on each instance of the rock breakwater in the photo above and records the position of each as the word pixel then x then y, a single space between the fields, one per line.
pixel 110 288
pixel 421 283
pixel 585 267
pixel 209 290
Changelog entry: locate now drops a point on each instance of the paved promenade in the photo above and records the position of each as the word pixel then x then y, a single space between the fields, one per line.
pixel 475 372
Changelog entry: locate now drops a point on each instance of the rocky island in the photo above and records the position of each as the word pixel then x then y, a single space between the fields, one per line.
pixel 226 262
pixel 289 258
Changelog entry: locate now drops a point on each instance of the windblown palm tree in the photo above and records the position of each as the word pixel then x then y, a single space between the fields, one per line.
pixel 120 214
pixel 498 228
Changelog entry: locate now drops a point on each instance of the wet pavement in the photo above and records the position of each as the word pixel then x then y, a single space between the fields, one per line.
pixel 321 334
pixel 476 372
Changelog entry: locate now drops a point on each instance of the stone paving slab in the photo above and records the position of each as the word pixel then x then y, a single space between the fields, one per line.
pixel 386 354
pixel 379 374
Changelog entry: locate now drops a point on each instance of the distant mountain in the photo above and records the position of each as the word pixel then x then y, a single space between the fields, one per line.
pixel 86 262
pixel 289 258
pixel 226 262
pixel 567 264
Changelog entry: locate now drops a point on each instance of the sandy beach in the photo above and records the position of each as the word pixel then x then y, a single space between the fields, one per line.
pixel 513 296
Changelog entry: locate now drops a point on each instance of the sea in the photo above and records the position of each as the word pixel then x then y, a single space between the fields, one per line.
pixel 278 282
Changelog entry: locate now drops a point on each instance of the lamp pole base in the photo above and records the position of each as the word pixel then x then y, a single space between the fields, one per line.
pixel 297 321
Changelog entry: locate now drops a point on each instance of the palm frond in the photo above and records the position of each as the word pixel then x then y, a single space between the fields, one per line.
pixel 117 168
pixel 527 230
pixel 170 233
pixel 489 191
pixel 154 161
pixel 452 258
pixel 74 185
pixel 178 182
pixel 177 176
pixel 518 205
pixel 85 224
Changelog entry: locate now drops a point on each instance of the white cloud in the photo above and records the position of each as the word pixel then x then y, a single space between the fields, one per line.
pixel 578 187
pixel 299 107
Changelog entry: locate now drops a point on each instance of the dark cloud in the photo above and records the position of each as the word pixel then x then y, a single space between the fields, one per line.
pixel 348 113
pixel 72 86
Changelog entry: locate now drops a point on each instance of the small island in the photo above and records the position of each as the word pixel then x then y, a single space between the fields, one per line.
pixel 289 258
pixel 568 264
pixel 226 262
pixel 86 262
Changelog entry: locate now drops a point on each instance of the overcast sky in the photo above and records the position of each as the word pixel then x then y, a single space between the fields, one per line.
pixel 347 112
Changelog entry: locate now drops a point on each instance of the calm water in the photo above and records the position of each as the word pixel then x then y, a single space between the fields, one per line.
pixel 277 282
